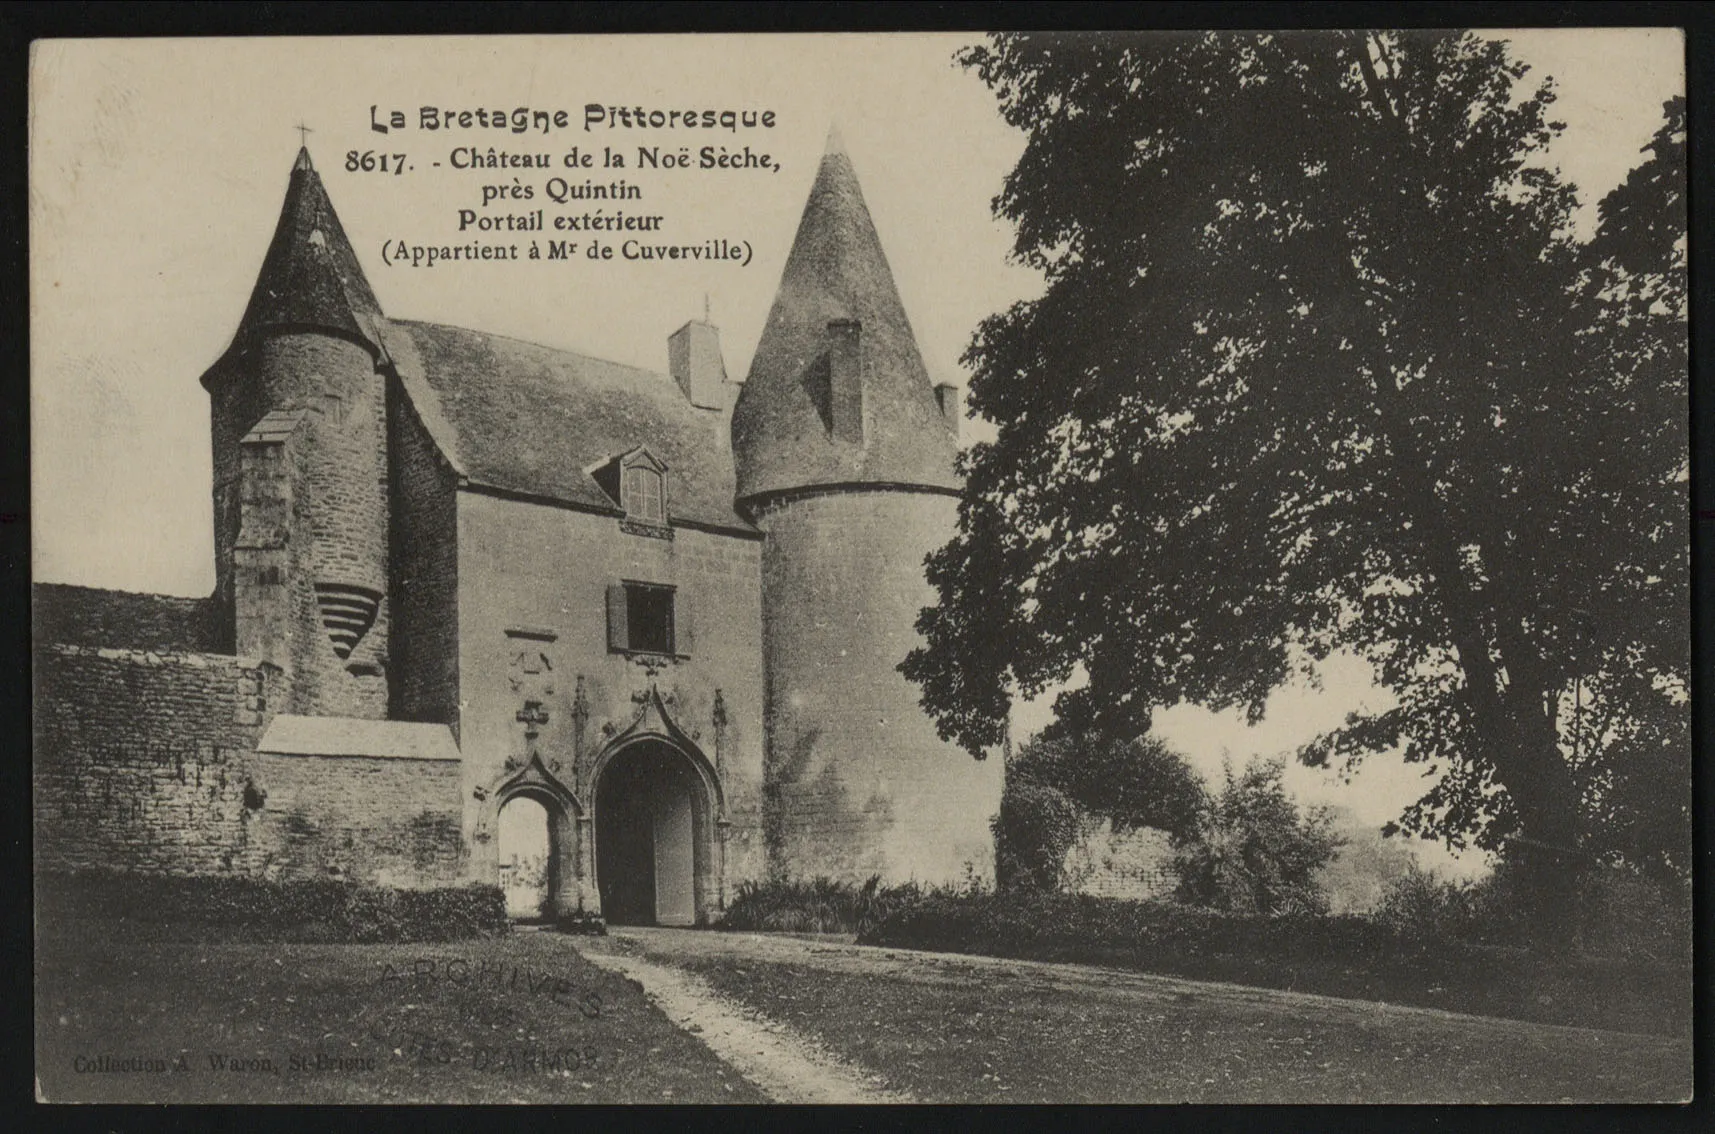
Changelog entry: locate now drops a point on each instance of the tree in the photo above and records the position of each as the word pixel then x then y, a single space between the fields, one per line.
pixel 1252 851
pixel 1135 782
pixel 1318 366
pixel 1625 720
pixel 1367 866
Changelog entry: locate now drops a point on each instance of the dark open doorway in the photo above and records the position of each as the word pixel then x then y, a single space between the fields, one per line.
pixel 648 815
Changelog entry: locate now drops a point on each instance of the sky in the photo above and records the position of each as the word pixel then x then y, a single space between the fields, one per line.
pixel 155 186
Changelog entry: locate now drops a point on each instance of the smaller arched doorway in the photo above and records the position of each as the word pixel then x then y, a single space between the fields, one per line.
pixel 525 845
pixel 536 848
pixel 651 835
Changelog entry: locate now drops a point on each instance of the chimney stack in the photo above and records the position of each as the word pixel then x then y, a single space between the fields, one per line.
pixel 951 399
pixel 845 379
pixel 694 360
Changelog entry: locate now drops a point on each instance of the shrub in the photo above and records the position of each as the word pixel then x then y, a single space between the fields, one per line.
pixel 1253 851
pixel 1034 828
pixel 1131 782
pixel 1625 914
pixel 1616 912
pixel 1344 955
pixel 817 905
pixel 168 907
pixel 1158 936
pixel 1421 904
pixel 1061 777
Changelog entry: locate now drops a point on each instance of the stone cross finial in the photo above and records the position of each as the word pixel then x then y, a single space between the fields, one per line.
pixel 304 133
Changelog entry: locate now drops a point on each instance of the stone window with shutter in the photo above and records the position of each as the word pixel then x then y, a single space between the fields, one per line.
pixel 647 618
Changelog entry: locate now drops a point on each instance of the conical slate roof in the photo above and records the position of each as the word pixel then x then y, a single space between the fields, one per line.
pixel 781 427
pixel 310 278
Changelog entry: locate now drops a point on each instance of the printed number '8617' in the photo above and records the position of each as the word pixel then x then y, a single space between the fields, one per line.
pixel 371 162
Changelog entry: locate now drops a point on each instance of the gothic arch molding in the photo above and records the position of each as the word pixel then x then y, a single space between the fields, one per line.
pixel 653 735
pixel 568 858
pixel 654 722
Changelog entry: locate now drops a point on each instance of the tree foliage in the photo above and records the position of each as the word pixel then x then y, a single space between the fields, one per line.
pixel 1034 828
pixel 1320 367
pixel 1252 851
pixel 1133 782
pixel 1061 778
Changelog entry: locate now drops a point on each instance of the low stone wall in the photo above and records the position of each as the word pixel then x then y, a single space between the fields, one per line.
pixel 1134 865
pixel 388 820
pixel 142 760
pixel 147 762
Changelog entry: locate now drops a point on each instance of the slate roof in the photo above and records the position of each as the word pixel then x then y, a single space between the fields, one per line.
pixel 291 735
pixel 506 414
pixel 275 426
pixel 123 620
pixel 781 432
pixel 524 418
pixel 310 277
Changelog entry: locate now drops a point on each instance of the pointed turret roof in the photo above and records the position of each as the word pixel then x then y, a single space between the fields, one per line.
pixel 782 434
pixel 310 278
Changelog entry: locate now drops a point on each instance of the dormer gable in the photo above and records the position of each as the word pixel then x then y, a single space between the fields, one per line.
pixel 636 480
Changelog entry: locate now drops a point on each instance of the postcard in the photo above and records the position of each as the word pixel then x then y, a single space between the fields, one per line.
pixel 877 568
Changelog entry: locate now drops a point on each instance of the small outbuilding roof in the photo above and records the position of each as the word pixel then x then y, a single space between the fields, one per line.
pixel 290 735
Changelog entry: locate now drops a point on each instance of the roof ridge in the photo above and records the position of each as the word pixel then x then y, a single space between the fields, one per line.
pixel 525 418
pixel 531 343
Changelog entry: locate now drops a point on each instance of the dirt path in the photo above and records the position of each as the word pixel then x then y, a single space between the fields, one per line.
pixel 784 1064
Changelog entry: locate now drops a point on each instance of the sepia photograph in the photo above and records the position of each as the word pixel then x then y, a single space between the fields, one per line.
pixel 1145 567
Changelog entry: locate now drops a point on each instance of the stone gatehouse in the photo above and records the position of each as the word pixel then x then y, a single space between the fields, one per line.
pixel 457 572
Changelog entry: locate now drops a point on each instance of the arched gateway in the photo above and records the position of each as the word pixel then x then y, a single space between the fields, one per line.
pixel 647 848
pixel 542 882
pixel 655 850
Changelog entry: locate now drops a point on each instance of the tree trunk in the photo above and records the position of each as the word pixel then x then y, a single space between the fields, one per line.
pixel 1546 854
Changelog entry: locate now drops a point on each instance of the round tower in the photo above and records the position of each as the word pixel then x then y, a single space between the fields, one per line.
pixel 845 458
pixel 298 417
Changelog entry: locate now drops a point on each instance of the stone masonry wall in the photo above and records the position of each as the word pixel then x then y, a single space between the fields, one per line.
pixel 384 820
pixel 340 531
pixel 89 616
pixel 1135 865
pixel 425 571
pixel 141 760
pixel 339 526
pixel 859 781
pixel 533 622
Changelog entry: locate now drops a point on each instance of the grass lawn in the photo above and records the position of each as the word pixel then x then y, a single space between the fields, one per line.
pixel 522 1018
pixel 1004 1035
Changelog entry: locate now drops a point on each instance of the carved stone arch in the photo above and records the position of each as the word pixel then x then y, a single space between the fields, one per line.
pixel 654 721
pixel 535 780
pixel 653 744
pixel 568 857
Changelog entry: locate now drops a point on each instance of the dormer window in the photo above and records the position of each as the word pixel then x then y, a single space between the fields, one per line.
pixel 643 496
pixel 636 480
